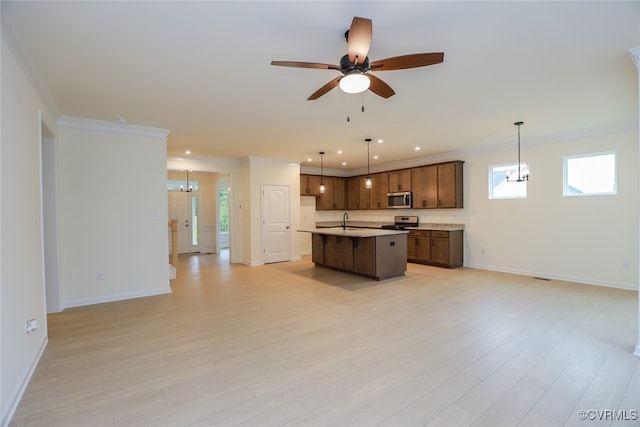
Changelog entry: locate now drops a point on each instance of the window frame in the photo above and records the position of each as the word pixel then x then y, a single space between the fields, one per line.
pixel 565 174
pixel 490 180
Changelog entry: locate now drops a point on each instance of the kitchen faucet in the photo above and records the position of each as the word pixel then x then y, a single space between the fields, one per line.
pixel 345 217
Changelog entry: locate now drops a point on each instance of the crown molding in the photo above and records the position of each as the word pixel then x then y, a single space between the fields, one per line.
pixel 105 126
pixel 312 170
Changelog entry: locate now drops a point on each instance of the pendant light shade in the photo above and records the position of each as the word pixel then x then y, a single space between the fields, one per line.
pixel 321 172
pixel 367 183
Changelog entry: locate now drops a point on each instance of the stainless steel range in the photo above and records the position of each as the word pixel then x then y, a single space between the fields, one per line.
pixel 401 222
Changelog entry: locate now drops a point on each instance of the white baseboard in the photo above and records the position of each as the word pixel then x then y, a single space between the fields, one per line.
pixel 14 401
pixel 581 280
pixel 111 298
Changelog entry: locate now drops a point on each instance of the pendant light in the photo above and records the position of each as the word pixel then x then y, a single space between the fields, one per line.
pixel 321 173
pixel 189 187
pixel 523 170
pixel 367 183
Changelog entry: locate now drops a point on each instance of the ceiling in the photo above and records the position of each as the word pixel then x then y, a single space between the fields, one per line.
pixel 202 70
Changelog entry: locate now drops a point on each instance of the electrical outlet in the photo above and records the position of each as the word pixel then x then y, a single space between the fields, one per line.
pixel 32 326
pixel 99 276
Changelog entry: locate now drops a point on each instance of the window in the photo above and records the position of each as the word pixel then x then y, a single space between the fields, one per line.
pixel 194 220
pixel 590 174
pixel 173 185
pixel 500 188
pixel 223 198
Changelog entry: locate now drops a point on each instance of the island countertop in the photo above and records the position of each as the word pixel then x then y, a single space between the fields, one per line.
pixel 374 224
pixel 353 232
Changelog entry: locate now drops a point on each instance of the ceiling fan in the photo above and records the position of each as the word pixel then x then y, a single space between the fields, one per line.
pixel 355 65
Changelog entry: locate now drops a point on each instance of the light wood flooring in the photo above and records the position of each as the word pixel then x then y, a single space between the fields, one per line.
pixel 290 344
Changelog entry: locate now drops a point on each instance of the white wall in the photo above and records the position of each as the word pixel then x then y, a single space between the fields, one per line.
pixel 587 239
pixel 590 239
pixel 21 261
pixel 112 212
pixel 269 171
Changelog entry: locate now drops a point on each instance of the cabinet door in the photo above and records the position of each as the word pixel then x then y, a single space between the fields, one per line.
pixel 304 185
pixel 400 180
pixel 339 193
pixel 317 249
pixel 314 185
pixel 353 194
pixel 412 248
pixel 419 187
pixel 431 186
pixel 325 200
pixel 364 256
pixel 338 252
pixel 424 249
pixel 379 190
pixel 450 185
pixel 440 250
pixel 365 194
pixel 419 246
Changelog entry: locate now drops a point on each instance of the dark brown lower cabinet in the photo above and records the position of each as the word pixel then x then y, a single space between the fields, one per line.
pixel 317 248
pixel 379 257
pixel 338 252
pixel 435 247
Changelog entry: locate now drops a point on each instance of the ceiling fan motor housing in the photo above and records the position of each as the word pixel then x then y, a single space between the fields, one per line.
pixel 348 67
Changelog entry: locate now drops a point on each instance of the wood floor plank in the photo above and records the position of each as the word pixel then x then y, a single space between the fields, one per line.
pixel 292 344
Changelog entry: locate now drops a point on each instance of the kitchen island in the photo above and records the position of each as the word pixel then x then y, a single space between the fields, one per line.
pixel 380 254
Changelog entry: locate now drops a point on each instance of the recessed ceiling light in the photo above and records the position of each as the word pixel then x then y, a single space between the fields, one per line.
pixel 339 151
pixel 187 152
pixel 380 141
pixel 417 148
pixel 344 163
pixel 309 159
pixel 375 157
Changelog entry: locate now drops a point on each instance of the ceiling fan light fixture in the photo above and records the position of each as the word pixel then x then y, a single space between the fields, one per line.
pixel 354 82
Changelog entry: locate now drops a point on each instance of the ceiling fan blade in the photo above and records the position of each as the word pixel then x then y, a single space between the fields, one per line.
pixel 305 65
pixel 407 61
pixel 359 39
pixel 379 87
pixel 324 89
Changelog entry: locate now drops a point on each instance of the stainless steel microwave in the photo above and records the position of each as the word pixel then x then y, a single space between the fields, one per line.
pixel 399 200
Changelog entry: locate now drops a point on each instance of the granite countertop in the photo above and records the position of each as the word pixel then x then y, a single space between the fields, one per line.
pixel 375 224
pixel 438 227
pixel 353 232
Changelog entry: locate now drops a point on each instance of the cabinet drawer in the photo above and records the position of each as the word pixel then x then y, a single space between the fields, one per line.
pixel 444 234
pixel 420 233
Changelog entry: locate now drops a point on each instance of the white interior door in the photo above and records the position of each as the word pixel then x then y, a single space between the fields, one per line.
pixel 275 223
pixel 183 206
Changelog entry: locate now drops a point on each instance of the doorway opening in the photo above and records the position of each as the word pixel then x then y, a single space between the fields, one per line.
pixel 49 231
